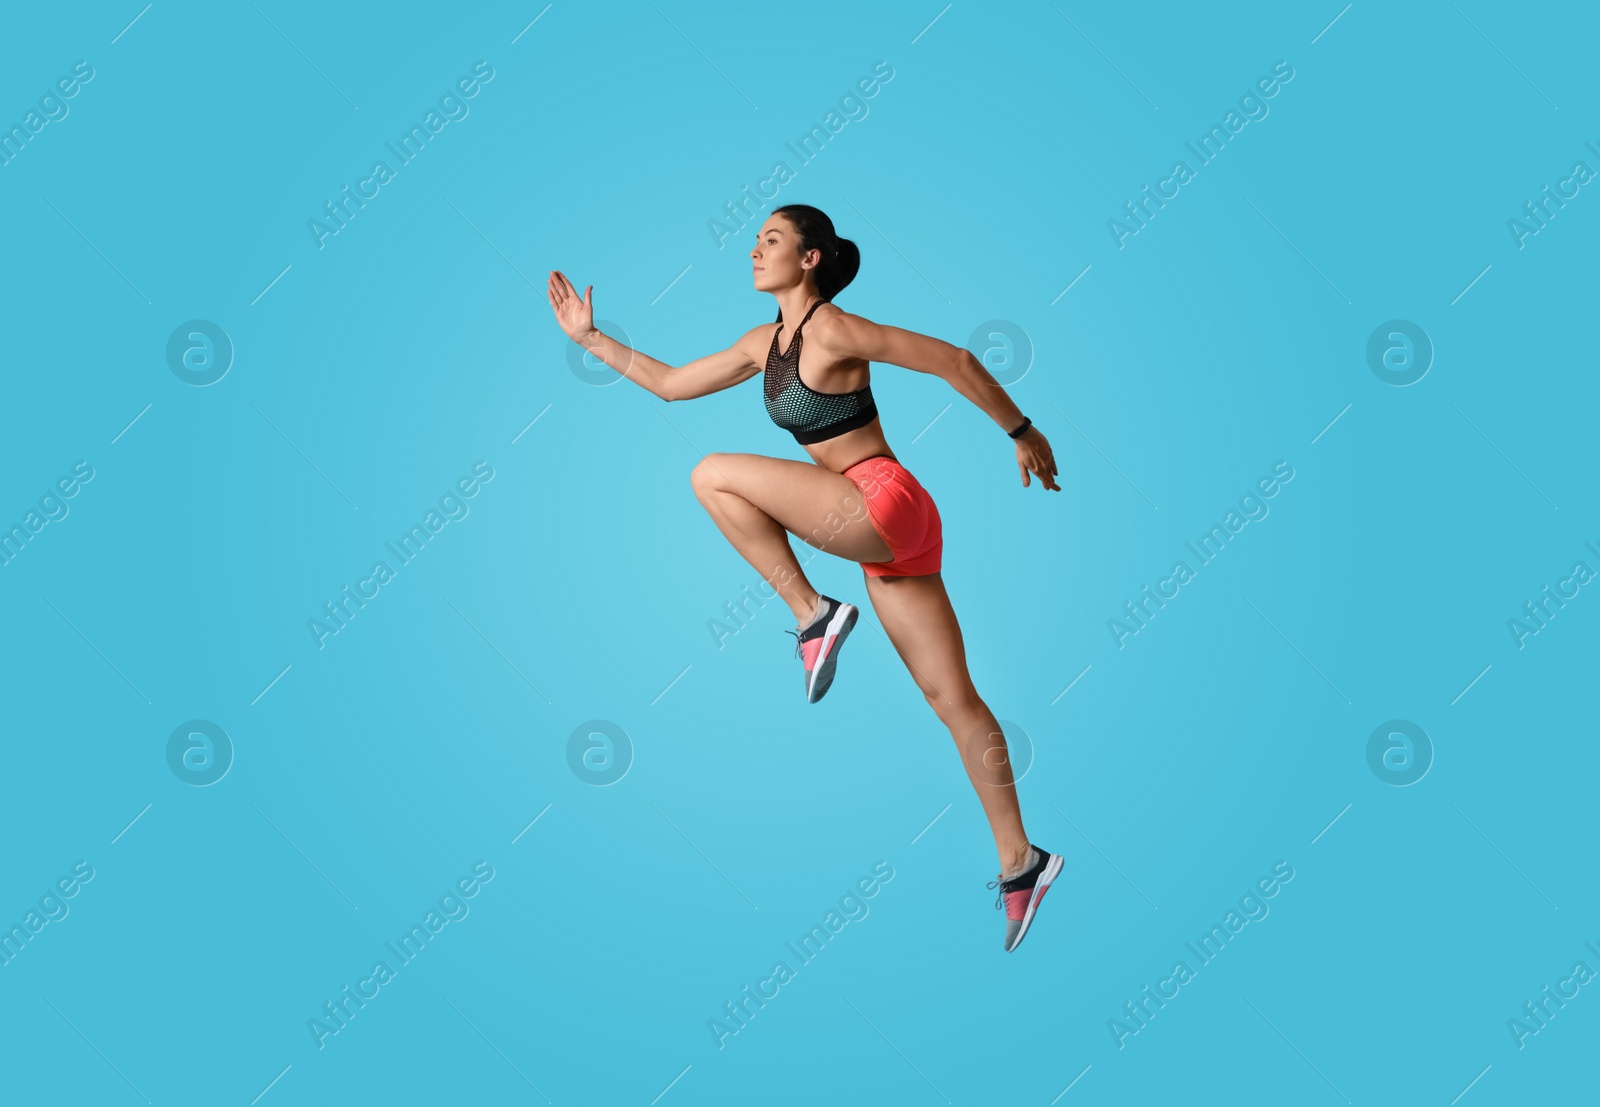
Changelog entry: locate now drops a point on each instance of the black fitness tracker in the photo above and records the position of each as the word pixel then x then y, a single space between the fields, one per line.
pixel 1020 431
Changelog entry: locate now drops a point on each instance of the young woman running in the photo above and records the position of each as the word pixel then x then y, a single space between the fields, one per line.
pixel 873 511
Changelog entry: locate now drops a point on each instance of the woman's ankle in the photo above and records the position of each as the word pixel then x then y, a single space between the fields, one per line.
pixel 1013 862
pixel 806 615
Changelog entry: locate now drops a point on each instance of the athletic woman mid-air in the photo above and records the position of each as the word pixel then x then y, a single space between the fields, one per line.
pixel 856 501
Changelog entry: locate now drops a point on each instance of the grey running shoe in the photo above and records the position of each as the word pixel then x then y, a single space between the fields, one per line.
pixel 817 645
pixel 1024 892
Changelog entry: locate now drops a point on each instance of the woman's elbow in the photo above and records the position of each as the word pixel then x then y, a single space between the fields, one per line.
pixel 958 363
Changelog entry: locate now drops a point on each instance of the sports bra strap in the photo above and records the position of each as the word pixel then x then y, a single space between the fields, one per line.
pixel 794 338
pixel 807 319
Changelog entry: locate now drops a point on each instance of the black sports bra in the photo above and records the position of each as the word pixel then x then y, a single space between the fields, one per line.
pixel 809 415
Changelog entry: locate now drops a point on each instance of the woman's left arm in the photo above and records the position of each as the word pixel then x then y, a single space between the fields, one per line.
pixel 853 336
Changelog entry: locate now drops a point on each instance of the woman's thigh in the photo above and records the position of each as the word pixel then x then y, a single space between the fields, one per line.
pixel 920 622
pixel 823 508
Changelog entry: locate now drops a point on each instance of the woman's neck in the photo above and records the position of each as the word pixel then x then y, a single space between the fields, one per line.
pixel 794 305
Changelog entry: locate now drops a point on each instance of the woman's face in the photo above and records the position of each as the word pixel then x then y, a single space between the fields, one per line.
pixel 775 259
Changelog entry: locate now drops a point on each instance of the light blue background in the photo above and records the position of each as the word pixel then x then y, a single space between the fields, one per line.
pixel 1227 736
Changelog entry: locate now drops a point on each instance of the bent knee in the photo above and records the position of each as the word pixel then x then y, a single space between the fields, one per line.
pixel 708 474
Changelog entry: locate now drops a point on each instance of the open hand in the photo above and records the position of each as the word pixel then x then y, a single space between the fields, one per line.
pixel 574 313
pixel 1033 452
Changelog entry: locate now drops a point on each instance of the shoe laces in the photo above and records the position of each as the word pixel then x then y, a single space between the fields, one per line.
pixel 1000 884
pixel 796 634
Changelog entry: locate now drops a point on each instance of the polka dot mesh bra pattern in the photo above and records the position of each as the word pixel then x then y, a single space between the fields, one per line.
pixel 809 415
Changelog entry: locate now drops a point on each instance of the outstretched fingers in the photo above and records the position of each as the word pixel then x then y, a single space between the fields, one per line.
pixel 571 309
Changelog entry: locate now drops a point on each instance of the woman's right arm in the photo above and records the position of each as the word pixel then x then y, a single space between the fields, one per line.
pixel 700 377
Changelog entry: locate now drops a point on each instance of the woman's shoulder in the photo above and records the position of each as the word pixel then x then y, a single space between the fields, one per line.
pixel 833 327
pixel 759 342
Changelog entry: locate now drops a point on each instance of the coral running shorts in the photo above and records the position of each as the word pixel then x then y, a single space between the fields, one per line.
pixel 904 515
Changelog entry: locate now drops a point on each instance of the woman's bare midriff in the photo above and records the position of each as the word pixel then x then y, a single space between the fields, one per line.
pixel 850 447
